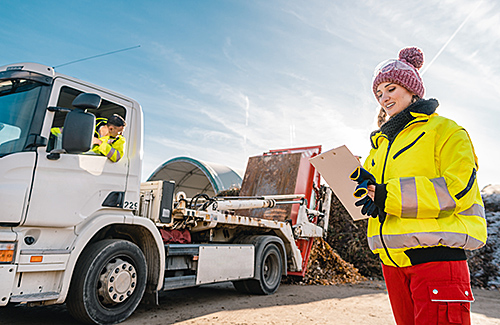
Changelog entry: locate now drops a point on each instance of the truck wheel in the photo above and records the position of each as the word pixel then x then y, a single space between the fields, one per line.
pixel 271 268
pixel 108 282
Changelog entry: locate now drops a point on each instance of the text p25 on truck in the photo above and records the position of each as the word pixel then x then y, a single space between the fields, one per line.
pixel 79 229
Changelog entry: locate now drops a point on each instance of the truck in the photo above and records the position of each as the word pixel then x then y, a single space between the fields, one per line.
pixel 79 229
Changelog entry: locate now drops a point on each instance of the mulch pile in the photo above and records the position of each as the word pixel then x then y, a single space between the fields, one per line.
pixel 484 263
pixel 326 267
pixel 344 257
pixel 348 238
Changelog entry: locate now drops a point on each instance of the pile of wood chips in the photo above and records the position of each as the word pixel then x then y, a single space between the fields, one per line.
pixel 326 267
pixel 348 239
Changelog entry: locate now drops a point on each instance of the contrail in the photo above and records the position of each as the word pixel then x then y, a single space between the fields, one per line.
pixel 450 39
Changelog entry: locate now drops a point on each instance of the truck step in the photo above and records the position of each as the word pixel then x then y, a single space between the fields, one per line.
pixel 179 282
pixel 182 249
pixel 42 296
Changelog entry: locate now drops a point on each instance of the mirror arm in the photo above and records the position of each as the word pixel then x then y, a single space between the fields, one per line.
pixel 55 154
pixel 58 109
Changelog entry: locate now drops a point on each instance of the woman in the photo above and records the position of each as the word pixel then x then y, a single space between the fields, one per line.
pixel 423 197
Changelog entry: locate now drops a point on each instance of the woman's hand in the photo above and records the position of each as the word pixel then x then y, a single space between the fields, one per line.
pixel 371 191
pixel 96 141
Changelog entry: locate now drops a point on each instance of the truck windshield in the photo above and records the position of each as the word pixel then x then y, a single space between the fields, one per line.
pixel 18 99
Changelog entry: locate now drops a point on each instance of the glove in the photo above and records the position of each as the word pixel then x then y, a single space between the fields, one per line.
pixel 361 190
pixel 360 174
pixel 363 178
pixel 369 208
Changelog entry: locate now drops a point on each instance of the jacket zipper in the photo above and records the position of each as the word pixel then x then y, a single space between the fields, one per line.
pixel 383 177
pixel 382 221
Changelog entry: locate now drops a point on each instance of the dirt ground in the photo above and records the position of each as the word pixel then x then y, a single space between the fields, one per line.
pixel 364 303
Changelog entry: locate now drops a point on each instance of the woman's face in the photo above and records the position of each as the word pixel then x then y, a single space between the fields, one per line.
pixel 393 97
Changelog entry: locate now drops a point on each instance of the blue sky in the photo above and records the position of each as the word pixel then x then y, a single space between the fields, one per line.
pixel 223 80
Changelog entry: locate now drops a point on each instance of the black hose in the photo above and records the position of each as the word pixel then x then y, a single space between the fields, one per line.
pixel 382 220
pixel 194 200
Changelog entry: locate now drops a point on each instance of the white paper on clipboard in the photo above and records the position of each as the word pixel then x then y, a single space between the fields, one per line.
pixel 336 166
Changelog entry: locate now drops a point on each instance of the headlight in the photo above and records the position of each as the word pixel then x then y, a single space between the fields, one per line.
pixel 7 251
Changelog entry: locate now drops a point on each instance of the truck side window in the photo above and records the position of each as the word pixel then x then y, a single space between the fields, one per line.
pixel 66 97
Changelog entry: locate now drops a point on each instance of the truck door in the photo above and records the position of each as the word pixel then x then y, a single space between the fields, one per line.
pixel 76 186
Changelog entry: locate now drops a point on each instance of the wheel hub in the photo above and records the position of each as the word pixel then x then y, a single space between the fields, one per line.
pixel 117 282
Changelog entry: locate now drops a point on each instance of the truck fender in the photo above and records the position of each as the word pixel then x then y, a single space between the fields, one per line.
pixel 86 233
pixel 260 242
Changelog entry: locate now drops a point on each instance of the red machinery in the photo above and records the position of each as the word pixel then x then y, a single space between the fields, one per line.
pixel 284 171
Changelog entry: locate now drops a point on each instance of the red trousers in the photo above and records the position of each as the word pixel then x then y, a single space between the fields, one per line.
pixel 430 293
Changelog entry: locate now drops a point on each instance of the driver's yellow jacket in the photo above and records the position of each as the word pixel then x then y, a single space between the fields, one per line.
pixel 433 197
pixel 113 148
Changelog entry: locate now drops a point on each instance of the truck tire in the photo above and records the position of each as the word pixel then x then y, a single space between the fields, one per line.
pixel 108 282
pixel 271 268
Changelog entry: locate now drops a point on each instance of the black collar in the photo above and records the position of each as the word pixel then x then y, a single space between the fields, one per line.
pixel 395 124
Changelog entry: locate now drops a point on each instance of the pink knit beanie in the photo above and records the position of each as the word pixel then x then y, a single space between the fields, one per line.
pixel 403 71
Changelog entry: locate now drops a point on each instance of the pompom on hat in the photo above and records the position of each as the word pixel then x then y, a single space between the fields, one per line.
pixel 402 71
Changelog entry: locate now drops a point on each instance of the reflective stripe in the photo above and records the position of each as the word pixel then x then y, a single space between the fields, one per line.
pixel 100 121
pixel 110 153
pixel 446 203
pixel 475 210
pixel 473 243
pixel 409 203
pixel 56 131
pixel 425 239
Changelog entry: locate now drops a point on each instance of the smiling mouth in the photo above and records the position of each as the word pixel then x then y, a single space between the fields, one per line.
pixel 390 105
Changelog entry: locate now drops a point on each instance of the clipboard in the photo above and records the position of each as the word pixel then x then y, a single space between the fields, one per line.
pixel 336 166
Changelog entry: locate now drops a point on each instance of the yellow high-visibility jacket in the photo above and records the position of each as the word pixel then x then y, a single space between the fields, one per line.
pixel 113 148
pixel 433 198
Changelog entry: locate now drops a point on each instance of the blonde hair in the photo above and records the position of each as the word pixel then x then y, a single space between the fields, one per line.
pixel 381 118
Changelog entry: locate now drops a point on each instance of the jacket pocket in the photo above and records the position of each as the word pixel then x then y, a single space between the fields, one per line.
pixel 408 146
pixel 472 178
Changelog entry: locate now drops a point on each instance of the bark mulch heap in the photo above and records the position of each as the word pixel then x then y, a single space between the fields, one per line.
pixel 484 263
pixel 348 238
pixel 325 267
pixel 344 257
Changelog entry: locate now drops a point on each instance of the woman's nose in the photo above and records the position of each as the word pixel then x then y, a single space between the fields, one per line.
pixel 384 97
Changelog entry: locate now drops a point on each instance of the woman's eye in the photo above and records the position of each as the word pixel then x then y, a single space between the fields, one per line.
pixel 392 89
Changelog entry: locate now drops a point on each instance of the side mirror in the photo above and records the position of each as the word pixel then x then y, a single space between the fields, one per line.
pixel 78 131
pixel 79 125
pixel 87 100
